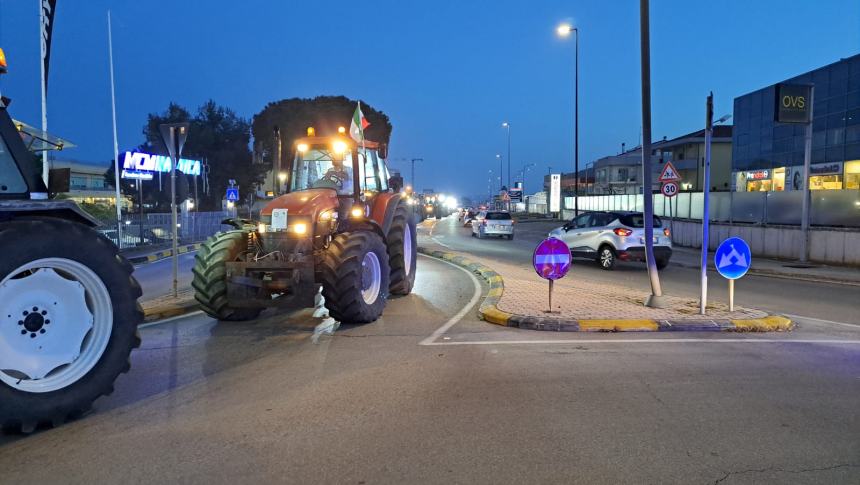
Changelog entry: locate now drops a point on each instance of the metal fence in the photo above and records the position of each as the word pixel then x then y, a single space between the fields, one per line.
pixel 154 229
pixel 830 208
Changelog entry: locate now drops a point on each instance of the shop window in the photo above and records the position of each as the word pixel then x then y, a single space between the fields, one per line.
pixel 852 175
pixel 779 179
pixel 825 182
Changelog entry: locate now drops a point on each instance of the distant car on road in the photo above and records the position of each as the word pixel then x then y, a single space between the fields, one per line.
pixel 493 223
pixel 468 215
pixel 610 236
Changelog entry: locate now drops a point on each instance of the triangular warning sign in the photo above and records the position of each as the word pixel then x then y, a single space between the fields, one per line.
pixel 669 173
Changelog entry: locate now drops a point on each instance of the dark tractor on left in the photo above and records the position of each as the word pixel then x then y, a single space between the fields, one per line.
pixel 68 301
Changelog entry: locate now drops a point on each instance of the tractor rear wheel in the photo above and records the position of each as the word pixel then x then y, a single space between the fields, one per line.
pixel 210 275
pixel 68 320
pixel 355 275
pixel 403 251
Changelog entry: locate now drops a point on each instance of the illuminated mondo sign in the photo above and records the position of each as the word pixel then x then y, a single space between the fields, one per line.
pixel 139 165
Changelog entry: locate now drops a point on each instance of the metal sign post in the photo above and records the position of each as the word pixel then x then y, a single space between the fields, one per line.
pixel 709 128
pixel 733 259
pixel 551 261
pixel 174 135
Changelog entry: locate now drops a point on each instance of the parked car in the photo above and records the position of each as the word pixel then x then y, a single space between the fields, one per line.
pixel 493 223
pixel 610 236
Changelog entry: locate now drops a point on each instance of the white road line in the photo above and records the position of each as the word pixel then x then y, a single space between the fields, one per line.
pixel 440 243
pixel 819 320
pixel 170 319
pixel 459 316
pixel 651 340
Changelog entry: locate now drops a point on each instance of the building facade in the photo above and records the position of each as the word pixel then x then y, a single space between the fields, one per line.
pixel 87 183
pixel 769 156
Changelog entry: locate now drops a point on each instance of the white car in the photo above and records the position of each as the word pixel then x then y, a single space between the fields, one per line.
pixel 493 223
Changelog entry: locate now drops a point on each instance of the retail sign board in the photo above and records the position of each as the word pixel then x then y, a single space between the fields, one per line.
pixel 555 192
pixel 793 103
pixel 669 173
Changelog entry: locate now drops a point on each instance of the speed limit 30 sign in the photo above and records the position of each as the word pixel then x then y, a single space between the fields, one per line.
pixel 670 189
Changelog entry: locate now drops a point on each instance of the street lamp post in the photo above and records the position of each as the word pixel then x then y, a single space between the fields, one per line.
pixel 501 172
pixel 508 127
pixel 564 30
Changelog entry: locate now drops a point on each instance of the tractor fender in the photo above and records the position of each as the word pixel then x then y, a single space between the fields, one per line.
pixel 384 208
pixel 365 225
pixel 60 209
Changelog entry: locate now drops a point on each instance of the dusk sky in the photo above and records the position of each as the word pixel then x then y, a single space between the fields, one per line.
pixel 446 72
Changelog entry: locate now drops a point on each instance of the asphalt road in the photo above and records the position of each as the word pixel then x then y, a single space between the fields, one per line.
pixel 156 278
pixel 429 394
pixel 793 297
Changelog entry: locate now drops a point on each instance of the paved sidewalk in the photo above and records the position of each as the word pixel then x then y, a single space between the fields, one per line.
pixel 691 258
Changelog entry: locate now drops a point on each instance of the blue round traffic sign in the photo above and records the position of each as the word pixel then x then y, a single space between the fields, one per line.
pixel 733 258
pixel 551 259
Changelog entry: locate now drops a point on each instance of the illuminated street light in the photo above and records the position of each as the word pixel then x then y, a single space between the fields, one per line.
pixel 564 30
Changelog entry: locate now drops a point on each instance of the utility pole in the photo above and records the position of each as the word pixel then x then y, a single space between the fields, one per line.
pixel 807 158
pixel 706 214
pixel 655 299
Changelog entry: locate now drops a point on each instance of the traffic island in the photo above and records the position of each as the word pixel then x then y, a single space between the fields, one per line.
pixel 517 297
pixel 158 256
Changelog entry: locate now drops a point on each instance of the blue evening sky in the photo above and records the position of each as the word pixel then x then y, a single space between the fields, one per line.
pixel 447 72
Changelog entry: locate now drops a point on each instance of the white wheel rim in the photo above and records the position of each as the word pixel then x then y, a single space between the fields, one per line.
pixel 407 249
pixel 57 344
pixel 371 278
pixel 606 258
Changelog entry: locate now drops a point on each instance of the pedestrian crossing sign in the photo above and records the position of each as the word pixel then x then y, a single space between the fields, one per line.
pixel 669 173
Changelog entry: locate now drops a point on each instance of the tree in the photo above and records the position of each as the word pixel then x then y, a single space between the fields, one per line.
pixel 325 113
pixel 217 137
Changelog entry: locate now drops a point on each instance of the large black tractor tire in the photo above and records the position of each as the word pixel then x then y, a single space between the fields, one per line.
pixel 24 241
pixel 210 275
pixel 344 269
pixel 402 251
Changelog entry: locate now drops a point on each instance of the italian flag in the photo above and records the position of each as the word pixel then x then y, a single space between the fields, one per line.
pixel 358 124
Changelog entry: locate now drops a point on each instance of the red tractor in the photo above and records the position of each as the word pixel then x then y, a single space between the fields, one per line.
pixel 343 225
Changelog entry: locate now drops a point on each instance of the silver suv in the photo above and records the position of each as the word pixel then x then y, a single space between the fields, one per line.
pixel 614 235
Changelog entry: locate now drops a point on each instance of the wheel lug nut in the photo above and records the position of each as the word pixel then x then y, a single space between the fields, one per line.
pixel 20 322
pixel 23 332
pixel 44 312
pixel 26 313
pixel 32 335
pixel 42 331
pixel 47 322
pixel 35 308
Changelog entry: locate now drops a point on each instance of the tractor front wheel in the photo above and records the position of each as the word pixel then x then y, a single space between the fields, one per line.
pixel 355 275
pixel 210 275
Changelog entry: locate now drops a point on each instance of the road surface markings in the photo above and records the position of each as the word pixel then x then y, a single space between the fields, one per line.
pixel 440 243
pixel 651 340
pixel 459 316
pixel 170 319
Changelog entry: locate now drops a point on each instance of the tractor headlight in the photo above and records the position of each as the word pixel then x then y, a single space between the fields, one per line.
pixel 327 216
pixel 339 147
pixel 357 211
pixel 261 228
pixel 300 228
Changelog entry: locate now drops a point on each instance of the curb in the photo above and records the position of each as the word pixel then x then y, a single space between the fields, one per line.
pixel 490 312
pixel 161 313
pixel 777 274
pixel 151 258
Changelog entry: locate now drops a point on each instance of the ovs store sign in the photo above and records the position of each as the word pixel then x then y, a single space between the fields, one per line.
pixel 139 165
pixel 793 103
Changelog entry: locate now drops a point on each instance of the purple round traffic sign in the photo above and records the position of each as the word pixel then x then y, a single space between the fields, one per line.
pixel 551 259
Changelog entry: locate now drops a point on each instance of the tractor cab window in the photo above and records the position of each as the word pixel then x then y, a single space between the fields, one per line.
pixel 316 168
pixel 11 181
pixel 367 166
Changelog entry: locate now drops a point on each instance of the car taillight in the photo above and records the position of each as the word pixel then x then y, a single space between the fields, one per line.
pixel 622 232
pixel 666 232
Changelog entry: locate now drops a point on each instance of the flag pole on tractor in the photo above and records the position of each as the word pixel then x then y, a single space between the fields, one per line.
pixel 356 131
